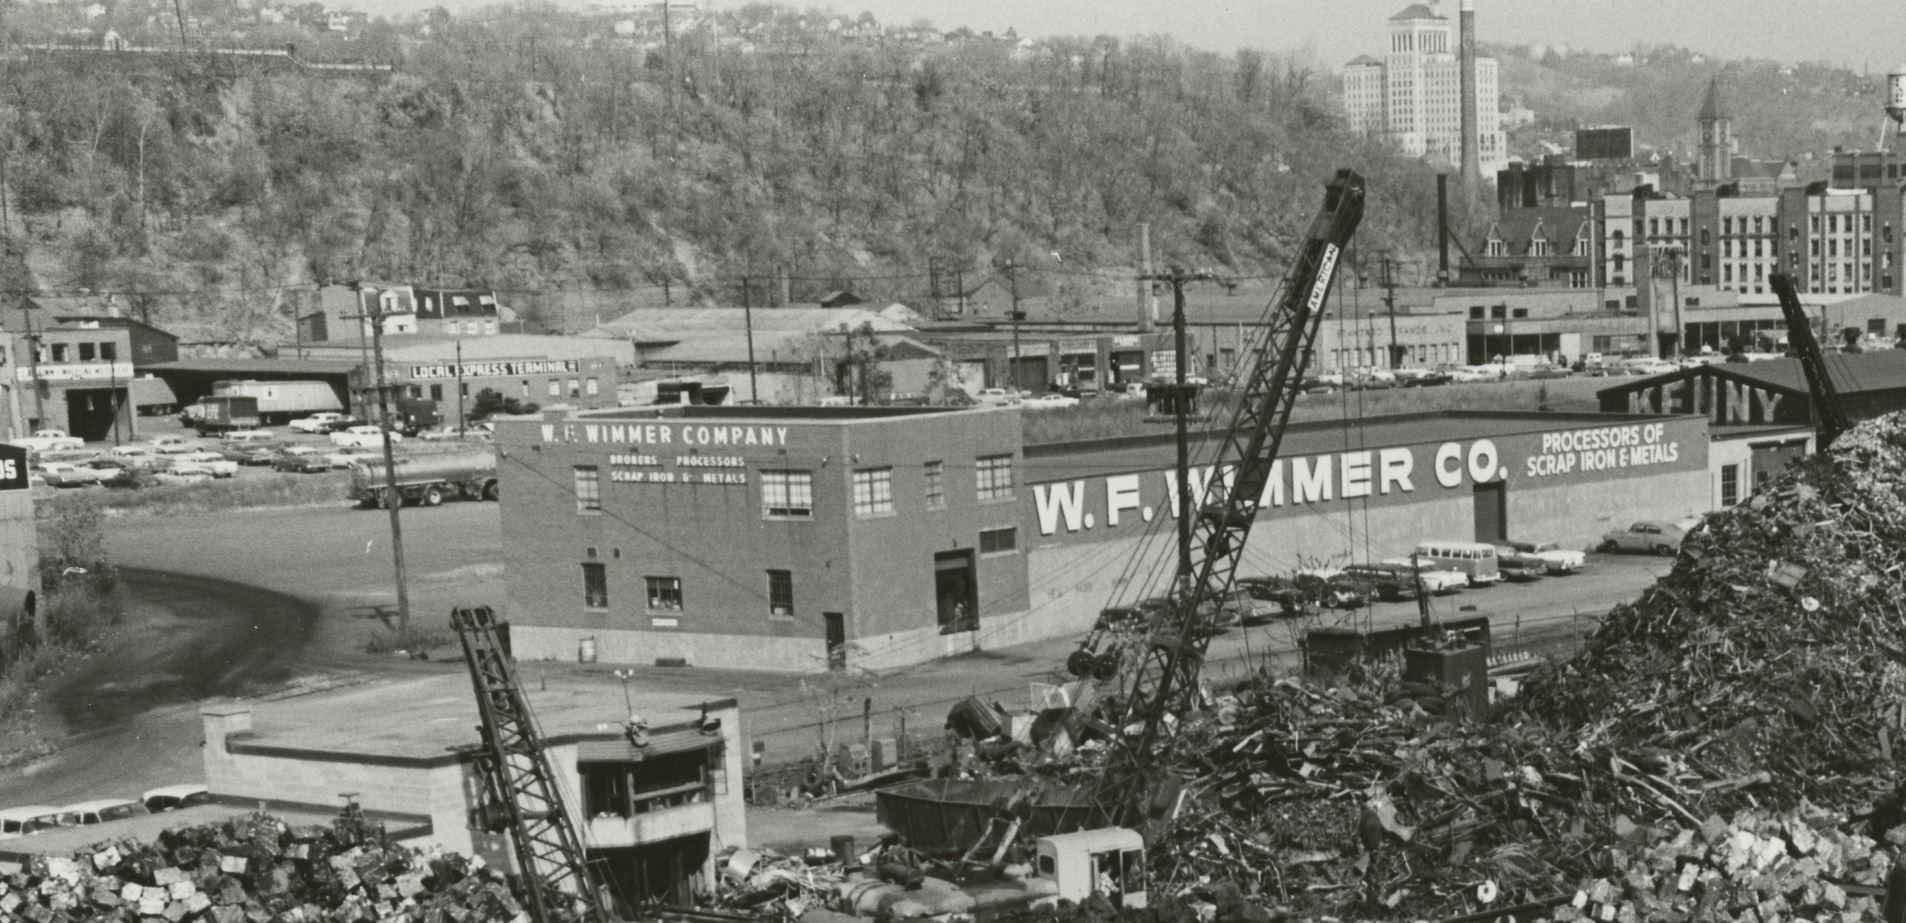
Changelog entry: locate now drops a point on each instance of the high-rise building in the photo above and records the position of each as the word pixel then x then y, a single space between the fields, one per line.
pixel 1413 93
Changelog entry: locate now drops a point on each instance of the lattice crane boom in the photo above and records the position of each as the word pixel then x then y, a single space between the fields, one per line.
pixel 521 790
pixel 1167 677
pixel 1829 417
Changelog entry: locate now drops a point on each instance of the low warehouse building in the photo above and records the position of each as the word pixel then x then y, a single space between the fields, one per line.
pixel 654 815
pixel 797 538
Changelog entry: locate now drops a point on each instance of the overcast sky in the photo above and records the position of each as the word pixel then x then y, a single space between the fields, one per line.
pixel 1853 32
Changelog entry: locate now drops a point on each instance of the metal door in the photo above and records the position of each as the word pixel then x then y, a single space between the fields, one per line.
pixel 1492 512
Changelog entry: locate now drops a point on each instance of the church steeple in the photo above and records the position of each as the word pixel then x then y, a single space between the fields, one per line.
pixel 1716 163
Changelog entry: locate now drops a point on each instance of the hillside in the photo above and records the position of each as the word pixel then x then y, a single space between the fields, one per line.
pixel 527 154
pixel 1778 110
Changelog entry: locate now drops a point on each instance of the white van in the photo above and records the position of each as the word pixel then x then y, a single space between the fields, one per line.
pixel 1474 560
pixel 23 821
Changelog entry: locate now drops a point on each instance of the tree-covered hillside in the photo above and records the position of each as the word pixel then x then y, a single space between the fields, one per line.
pixel 531 152
pixel 1778 110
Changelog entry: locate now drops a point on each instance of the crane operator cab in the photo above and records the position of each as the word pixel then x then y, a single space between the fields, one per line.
pixel 1109 862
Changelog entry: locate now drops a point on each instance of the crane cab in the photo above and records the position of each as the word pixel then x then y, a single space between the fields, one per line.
pixel 1109 862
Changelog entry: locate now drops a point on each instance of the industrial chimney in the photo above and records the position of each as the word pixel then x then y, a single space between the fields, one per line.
pixel 1466 60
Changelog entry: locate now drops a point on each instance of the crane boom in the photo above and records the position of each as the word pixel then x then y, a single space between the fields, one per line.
pixel 1829 417
pixel 1167 676
pixel 520 789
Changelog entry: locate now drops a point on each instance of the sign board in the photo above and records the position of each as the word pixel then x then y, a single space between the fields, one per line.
pixel 505 369
pixel 76 371
pixel 13 471
pixel 1078 509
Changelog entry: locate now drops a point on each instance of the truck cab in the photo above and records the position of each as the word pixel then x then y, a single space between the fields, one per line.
pixel 1109 862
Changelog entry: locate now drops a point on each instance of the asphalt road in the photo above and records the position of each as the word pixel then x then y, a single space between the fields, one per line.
pixel 278 602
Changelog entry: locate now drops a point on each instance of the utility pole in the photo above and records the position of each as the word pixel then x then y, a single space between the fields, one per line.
pixel 459 387
pixel 747 316
pixel 1389 302
pixel 1012 365
pixel 1182 394
pixel 391 499
pixel 33 357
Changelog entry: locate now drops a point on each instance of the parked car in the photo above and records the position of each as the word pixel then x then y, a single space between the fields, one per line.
pixel 1281 596
pixel 1520 566
pixel 998 397
pixel 1559 560
pixel 248 437
pixel 166 439
pixel 345 458
pixel 182 473
pixel 174 797
pixel 1646 365
pixel 1420 377
pixel 1053 401
pixel 88 813
pixel 64 474
pixel 319 423
pixel 1472 374
pixel 365 436
pixel 23 821
pixel 133 457
pixel 1650 536
pixel 301 459
pixel 49 440
pixel 214 463
pixel 1476 561
pixel 251 453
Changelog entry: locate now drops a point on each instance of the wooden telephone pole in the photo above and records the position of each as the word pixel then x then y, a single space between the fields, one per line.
pixel 390 499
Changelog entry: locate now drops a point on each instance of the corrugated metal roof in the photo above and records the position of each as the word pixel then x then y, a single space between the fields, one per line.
pixel 620 750
pixel 240 366
pixel 659 324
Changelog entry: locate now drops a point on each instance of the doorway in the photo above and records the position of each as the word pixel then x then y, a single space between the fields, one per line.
pixel 669 872
pixel 1492 511
pixel 836 640
pixel 956 590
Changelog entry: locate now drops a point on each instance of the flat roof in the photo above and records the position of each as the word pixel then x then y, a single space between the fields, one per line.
pixel 234 366
pixel 763 412
pixel 433 719
pixel 1852 373
pixel 1719 432
pixel 64 841
pixel 1068 460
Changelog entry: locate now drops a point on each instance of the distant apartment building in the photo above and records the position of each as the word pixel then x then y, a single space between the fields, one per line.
pixel 1413 93
pixel 404 309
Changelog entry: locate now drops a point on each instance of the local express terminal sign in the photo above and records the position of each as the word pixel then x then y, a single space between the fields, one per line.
pixel 1401 473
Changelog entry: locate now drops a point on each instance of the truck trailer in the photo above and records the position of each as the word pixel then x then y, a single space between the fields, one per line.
pixel 282 401
pixel 427 480
pixel 222 414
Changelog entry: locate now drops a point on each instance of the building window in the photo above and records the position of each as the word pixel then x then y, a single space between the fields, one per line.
pixel 591 387
pixel 995 477
pixel 665 594
pixel 595 586
pixel 526 389
pixel 873 492
pixel 85 352
pixel 575 388
pixel 588 489
pixel 436 392
pixel 555 388
pixel 1495 247
pixel 936 485
pixel 998 541
pixel 59 352
pixel 1539 246
pixel 780 592
pixel 787 494
pixel 1730 484
pixel 109 352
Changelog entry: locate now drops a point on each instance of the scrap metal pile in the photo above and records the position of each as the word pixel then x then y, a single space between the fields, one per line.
pixel 257 869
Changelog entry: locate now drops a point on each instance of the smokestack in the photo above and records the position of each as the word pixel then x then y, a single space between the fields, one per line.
pixel 1442 229
pixel 1472 124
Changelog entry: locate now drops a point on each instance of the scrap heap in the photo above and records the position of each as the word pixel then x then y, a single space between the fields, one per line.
pixel 1775 646
pixel 1697 759
pixel 256 869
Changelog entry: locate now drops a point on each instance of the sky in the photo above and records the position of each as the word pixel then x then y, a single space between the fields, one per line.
pixel 1857 33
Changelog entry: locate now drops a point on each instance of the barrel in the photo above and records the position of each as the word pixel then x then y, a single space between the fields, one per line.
pixel 586 651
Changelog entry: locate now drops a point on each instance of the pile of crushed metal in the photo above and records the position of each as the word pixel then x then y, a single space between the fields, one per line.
pixel 256 869
pixel 1776 646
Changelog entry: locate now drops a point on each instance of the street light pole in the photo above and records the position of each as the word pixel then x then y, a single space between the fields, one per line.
pixel 1012 365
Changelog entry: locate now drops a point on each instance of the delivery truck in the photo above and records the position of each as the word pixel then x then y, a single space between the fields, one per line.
pixel 222 414
pixel 282 401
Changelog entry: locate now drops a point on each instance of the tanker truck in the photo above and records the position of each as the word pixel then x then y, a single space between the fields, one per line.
pixel 427 479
